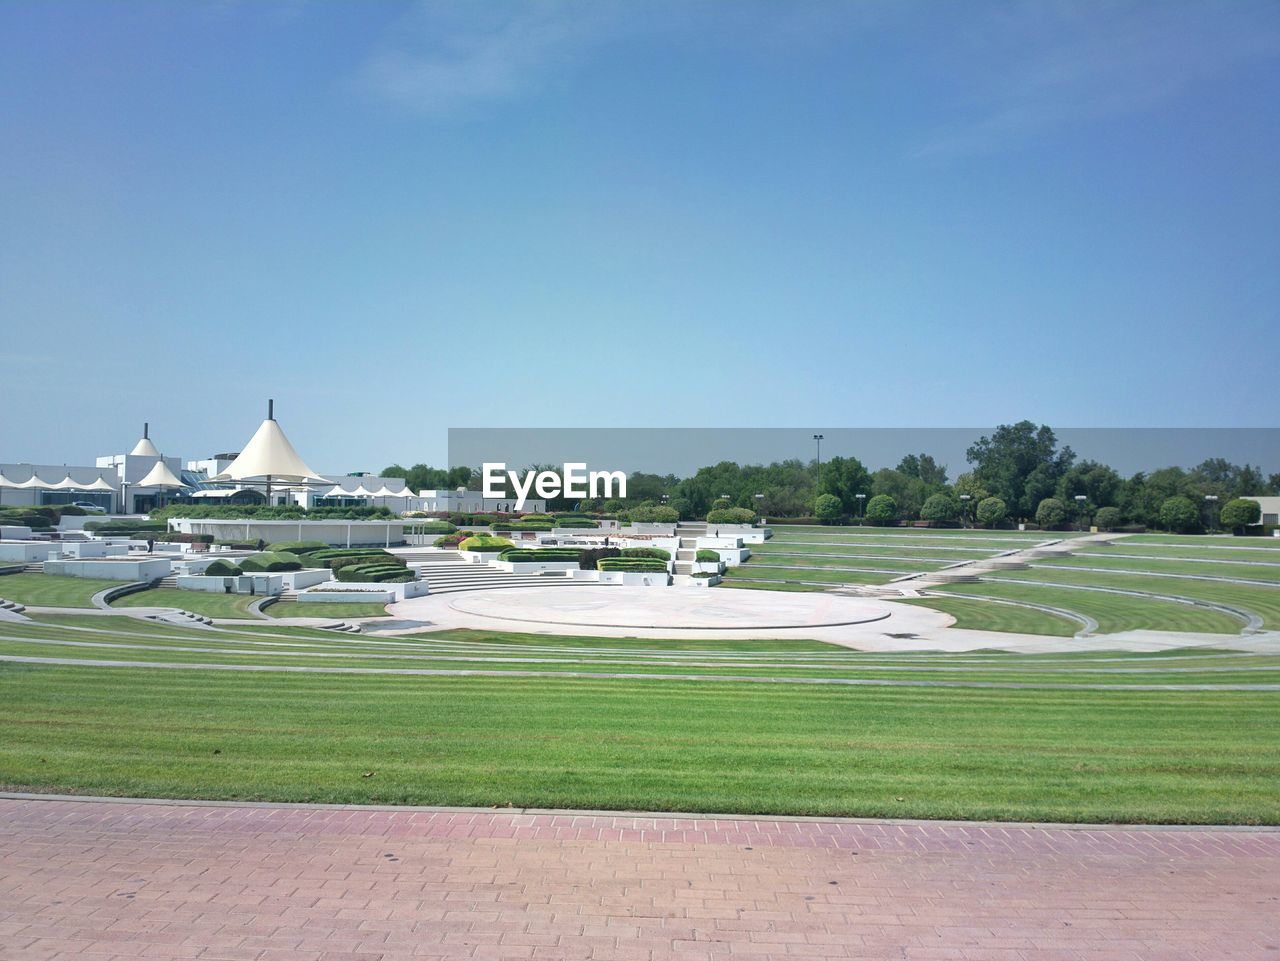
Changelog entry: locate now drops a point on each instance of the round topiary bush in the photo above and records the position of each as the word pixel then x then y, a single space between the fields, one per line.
pixel 1051 513
pixel 1240 513
pixel 221 568
pixel 1107 518
pixel 882 510
pixel 991 511
pixel 705 556
pixel 297 547
pixel 656 553
pixel 269 562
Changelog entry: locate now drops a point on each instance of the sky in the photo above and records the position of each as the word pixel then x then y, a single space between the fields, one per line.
pixel 400 218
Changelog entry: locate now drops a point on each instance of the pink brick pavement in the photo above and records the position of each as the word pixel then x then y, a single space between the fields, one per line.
pixel 98 880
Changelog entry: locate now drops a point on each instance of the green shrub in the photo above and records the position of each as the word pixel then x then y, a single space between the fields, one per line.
pixel 451 540
pixel 653 514
pixel 435 527
pixel 704 556
pixel 524 554
pixel 298 547
pixel 940 508
pixel 828 508
pixel 882 510
pixel 377 573
pixel 1240 513
pixel 1180 514
pixel 991 511
pixel 270 562
pixel 485 544
pixel 632 565
pixel 1051 513
pixel 1107 518
pixel 657 553
pixel 174 537
pixel 535 517
pixel 523 525
pixel 577 522
pixel 221 568
pixel 337 563
pixel 731 515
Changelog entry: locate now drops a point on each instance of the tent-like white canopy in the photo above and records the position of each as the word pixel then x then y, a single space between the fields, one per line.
pixel 388 492
pixel 268 455
pixel 67 483
pixel 33 483
pixel 144 447
pixel 6 483
pixel 101 484
pixel 160 476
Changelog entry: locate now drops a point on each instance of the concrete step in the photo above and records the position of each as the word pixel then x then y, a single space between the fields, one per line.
pixel 36 568
pixel 13 606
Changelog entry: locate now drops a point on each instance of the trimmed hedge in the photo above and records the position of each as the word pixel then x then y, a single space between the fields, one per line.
pixel 485 544
pixel 298 547
pixel 705 556
pixel 522 554
pixel 657 553
pixel 270 562
pixel 580 522
pixel 451 540
pixel 632 565
pixel 435 527
pixel 377 573
pixel 174 537
pixel 525 526
pixel 732 515
pixel 222 568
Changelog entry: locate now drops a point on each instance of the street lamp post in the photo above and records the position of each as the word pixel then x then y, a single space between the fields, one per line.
pixel 1212 500
pixel 759 505
pixel 862 505
pixel 1080 499
pixel 819 438
pixel 964 507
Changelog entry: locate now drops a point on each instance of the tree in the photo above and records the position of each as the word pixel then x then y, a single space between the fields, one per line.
pixel 1107 518
pixel 991 511
pixel 828 509
pixel 1020 463
pixel 908 492
pixel 1240 513
pixel 1098 482
pixel 924 467
pixel 844 478
pixel 939 508
pixel 882 510
pixel 653 514
pixel 1051 513
pixel 1179 514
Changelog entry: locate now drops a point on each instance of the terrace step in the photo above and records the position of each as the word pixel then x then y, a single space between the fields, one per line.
pixel 35 568
pixel 169 581
pixel 12 606
pixel 683 567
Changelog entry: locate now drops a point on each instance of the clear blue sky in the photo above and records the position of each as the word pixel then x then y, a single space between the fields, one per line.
pixel 397 218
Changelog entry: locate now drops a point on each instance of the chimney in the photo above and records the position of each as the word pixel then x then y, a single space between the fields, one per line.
pixel 271 410
pixel 146 430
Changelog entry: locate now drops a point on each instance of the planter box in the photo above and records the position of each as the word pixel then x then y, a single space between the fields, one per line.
pixel 688 580
pixel 25 552
pixel 535 567
pixel 347 597
pixel 113 569
pixel 362 591
pixel 14 532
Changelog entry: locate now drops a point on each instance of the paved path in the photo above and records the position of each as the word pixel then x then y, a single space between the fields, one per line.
pixel 100 880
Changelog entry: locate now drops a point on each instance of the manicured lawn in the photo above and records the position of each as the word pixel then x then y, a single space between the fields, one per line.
pixel 1210 757
pixel 353 609
pixel 1113 612
pixel 1261 600
pixel 836 563
pixel 197 602
pixel 1210 567
pixel 737 582
pixel 765 573
pixel 48 590
pixel 987 616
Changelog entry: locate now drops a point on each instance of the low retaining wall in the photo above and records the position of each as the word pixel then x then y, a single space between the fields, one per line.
pixel 112 569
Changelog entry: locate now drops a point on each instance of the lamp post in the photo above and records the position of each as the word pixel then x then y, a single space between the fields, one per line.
pixel 862 506
pixel 818 438
pixel 759 505
pixel 1080 499
pixel 1211 501
pixel 964 507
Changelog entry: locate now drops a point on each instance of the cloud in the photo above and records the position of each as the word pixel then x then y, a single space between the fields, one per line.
pixel 449 57
pixel 1067 65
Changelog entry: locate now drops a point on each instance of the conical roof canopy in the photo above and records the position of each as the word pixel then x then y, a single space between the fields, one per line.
pixel 144 448
pixel 34 482
pixel 101 484
pixel 269 454
pixel 67 484
pixel 6 483
pixel 160 476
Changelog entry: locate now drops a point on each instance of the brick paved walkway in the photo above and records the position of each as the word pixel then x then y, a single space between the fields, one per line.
pixel 98 880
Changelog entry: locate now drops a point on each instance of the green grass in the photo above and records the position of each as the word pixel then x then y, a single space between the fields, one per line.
pixel 331 610
pixel 737 582
pixel 1261 600
pixel 197 602
pixel 765 573
pixel 1220 567
pixel 905 566
pixel 48 590
pixel 654 745
pixel 986 616
pixel 1113 612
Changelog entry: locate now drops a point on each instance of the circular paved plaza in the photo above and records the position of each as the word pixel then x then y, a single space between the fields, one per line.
pixel 672 612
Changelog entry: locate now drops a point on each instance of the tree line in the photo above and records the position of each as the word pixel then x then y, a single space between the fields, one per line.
pixel 1018 473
